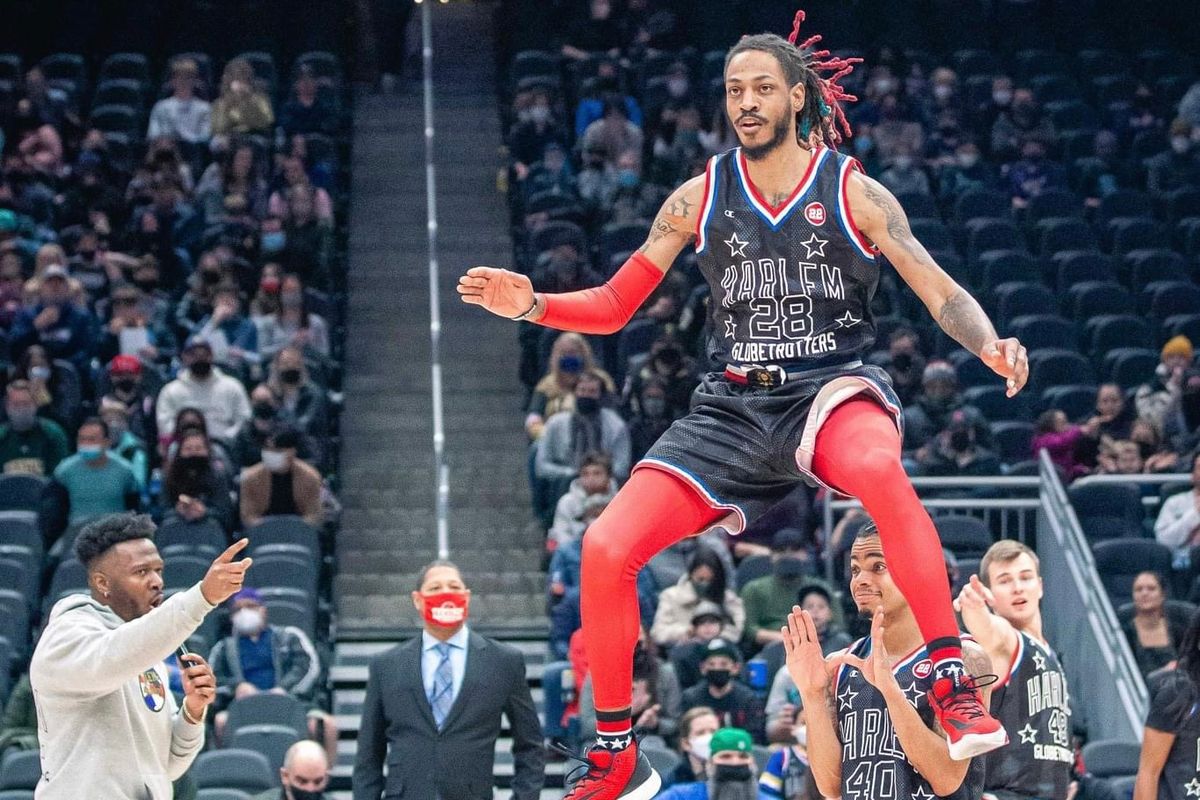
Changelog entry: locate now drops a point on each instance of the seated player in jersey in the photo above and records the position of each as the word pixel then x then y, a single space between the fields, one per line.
pixel 1001 607
pixel 870 723
pixel 1169 768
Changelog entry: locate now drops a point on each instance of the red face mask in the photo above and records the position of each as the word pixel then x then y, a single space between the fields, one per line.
pixel 446 609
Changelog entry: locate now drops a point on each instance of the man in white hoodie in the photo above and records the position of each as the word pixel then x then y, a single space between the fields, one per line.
pixel 108 725
pixel 221 398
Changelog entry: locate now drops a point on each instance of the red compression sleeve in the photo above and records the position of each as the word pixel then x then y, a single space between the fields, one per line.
pixel 606 308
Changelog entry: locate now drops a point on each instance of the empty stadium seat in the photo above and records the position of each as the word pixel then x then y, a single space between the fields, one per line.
pixel 1146 266
pixel 184 571
pixel 267 709
pixel 284 530
pixel 21 492
pixel 1003 266
pixel 292 614
pixel 1053 203
pixel 19 575
pixel 1012 300
pixel 70 575
pixel 1076 266
pixel 233 769
pixel 271 741
pixel 280 569
pixel 1057 366
pixel 221 794
pixel 1185 324
pixel 991 234
pixel 1134 233
pixel 963 535
pixel 1111 758
pixel 1039 331
pixel 1129 367
pixel 993 402
pixel 664 760
pixel 970 370
pixel 1012 440
pixel 1064 233
pixel 1093 298
pixel 1181 203
pixel 981 203
pixel 1108 331
pixel 127 67
pixel 116 118
pixel 1125 203
pixel 1120 560
pixel 1108 510
pixel 1163 299
pixel 1076 401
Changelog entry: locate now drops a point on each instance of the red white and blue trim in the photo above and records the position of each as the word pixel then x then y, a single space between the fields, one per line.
pixel 695 483
pixel 845 220
pixel 706 206
pixel 775 217
pixel 1015 663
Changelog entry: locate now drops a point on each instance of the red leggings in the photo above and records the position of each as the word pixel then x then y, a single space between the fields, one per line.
pixel 857 451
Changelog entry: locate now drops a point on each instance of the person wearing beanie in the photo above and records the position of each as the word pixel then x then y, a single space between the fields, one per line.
pixel 730 774
pixel 930 412
pixel 1154 398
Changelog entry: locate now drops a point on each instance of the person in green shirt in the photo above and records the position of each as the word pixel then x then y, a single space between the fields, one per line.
pixel 18 728
pixel 769 599
pixel 122 441
pixel 97 481
pixel 29 444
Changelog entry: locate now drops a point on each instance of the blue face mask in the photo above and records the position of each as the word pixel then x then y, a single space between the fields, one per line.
pixel 627 178
pixel 863 144
pixel 273 241
pixel 570 364
pixel 90 452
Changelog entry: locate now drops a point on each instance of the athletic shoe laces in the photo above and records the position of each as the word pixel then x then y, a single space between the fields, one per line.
pixel 962 699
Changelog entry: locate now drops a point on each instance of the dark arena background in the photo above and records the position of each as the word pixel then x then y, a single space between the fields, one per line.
pixel 354 157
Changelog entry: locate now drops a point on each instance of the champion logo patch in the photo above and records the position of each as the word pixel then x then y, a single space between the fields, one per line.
pixel 923 668
pixel 815 213
pixel 154 694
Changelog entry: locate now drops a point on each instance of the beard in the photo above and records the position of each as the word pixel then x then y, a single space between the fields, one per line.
pixel 779 135
pixel 728 790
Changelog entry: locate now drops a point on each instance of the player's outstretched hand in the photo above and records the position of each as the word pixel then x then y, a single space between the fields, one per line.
pixel 504 293
pixel 225 577
pixel 1008 359
pixel 877 668
pixel 805 662
pixel 974 597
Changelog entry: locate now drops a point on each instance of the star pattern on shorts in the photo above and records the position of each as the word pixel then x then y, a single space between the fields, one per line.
pixel 1028 734
pixel 815 246
pixel 846 698
pixel 736 246
pixel 847 320
pixel 921 793
pixel 730 328
pixel 913 694
pixel 1193 788
pixel 1040 661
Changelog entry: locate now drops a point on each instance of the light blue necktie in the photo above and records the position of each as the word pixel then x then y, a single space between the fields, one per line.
pixel 442 696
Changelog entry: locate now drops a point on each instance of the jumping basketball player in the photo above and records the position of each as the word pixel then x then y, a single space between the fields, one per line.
pixel 786 229
pixel 871 728
pixel 1030 698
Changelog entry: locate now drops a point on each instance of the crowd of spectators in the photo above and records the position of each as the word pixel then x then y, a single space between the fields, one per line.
pixel 171 246
pixel 1062 190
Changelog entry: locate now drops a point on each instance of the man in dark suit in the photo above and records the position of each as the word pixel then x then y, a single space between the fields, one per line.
pixel 433 707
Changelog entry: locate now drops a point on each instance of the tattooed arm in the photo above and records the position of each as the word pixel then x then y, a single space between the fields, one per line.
pixel 880 217
pixel 675 225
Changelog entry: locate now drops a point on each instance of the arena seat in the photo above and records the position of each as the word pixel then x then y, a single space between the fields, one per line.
pixel 984 234
pixel 1012 440
pixel 1108 510
pixel 263 64
pixel 1002 266
pixel 1127 233
pixel 1185 324
pixel 1163 299
pixel 662 759
pixel 17 574
pixel 1053 203
pixel 1149 265
pixel 1077 401
pixel 918 205
pixel 1129 367
pixel 185 571
pixel 1016 299
pixel 932 233
pixel 206 534
pixel 117 119
pixel 297 615
pixel 280 569
pixel 1125 203
pixel 1120 560
pixel 1071 267
pixel 1108 331
pixel 981 203
pixel 271 741
pixel 11 68
pixel 16 794
pixel 230 768
pixel 126 67
pixel 970 370
pixel 283 529
pixel 68 575
pixel 1181 203
pixel 1057 366
pixel 993 402
pixel 1054 234
pixel 220 794
pixel 118 91
pixel 1092 298
pixel 1041 331
pixel 964 535
pixel 267 709
pixel 21 492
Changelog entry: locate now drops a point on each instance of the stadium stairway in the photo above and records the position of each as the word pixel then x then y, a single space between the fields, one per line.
pixel 388 528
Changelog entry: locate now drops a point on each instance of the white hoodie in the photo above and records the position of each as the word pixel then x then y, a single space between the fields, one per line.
pixel 221 398
pixel 108 725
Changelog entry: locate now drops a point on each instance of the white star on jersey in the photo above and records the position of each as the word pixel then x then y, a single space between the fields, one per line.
pixel 815 246
pixel 730 328
pixel 736 246
pixel 921 793
pixel 1040 660
pixel 1193 788
pixel 847 320
pixel 1028 734
pixel 846 698
pixel 913 694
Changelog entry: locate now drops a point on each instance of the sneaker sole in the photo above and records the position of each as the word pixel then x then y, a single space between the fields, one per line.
pixel 976 744
pixel 646 790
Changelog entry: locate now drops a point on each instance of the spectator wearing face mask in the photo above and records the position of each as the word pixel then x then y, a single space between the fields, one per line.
pixel 930 412
pixel 651 417
pixel 1178 166
pixel 734 702
pixel 29 444
pixel 769 599
pixel 221 398
pixel 125 388
pixel 903 361
pixel 896 132
pixel 704 580
pixel 561 269
pixel 247 449
pixel 968 171
pixel 708 620
pixel 97 481
pixel 54 322
pixel 696 728
pixel 300 400
pixel 281 483
pixel 634 198
pixel 535 130
pixel 303 776
pixel 595 481
pixel 259 657
pixel 35 367
pixel 955 452
pixel 614 133
pixel 196 485
pixel 1022 121
pixel 904 175
pixel 666 361
pixel 292 324
pixel 123 442
pixel 1152 399
pixel 1033 173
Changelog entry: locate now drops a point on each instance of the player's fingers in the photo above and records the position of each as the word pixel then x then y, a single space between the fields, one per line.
pixel 484 272
pixel 1011 347
pixel 472 299
pixel 810 627
pixel 232 551
pixel 990 352
pixel 793 627
pixel 847 660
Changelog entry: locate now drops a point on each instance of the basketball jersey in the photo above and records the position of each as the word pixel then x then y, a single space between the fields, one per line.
pixel 1032 704
pixel 874 767
pixel 791 284
pixel 1180 776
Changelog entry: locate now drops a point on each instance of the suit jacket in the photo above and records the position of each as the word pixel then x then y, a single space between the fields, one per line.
pixel 455 763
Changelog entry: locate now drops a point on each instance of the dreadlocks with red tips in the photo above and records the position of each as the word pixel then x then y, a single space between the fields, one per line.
pixel 822 115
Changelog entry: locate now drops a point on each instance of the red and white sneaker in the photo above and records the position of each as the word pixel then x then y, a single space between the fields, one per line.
pixel 613 774
pixel 970 730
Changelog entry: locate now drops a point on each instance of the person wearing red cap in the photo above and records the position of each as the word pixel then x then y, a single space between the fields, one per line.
pixel 125 387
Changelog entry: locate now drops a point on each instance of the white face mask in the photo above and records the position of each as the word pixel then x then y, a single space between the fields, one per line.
pixel 248 621
pixel 701 746
pixel 800 734
pixel 275 461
